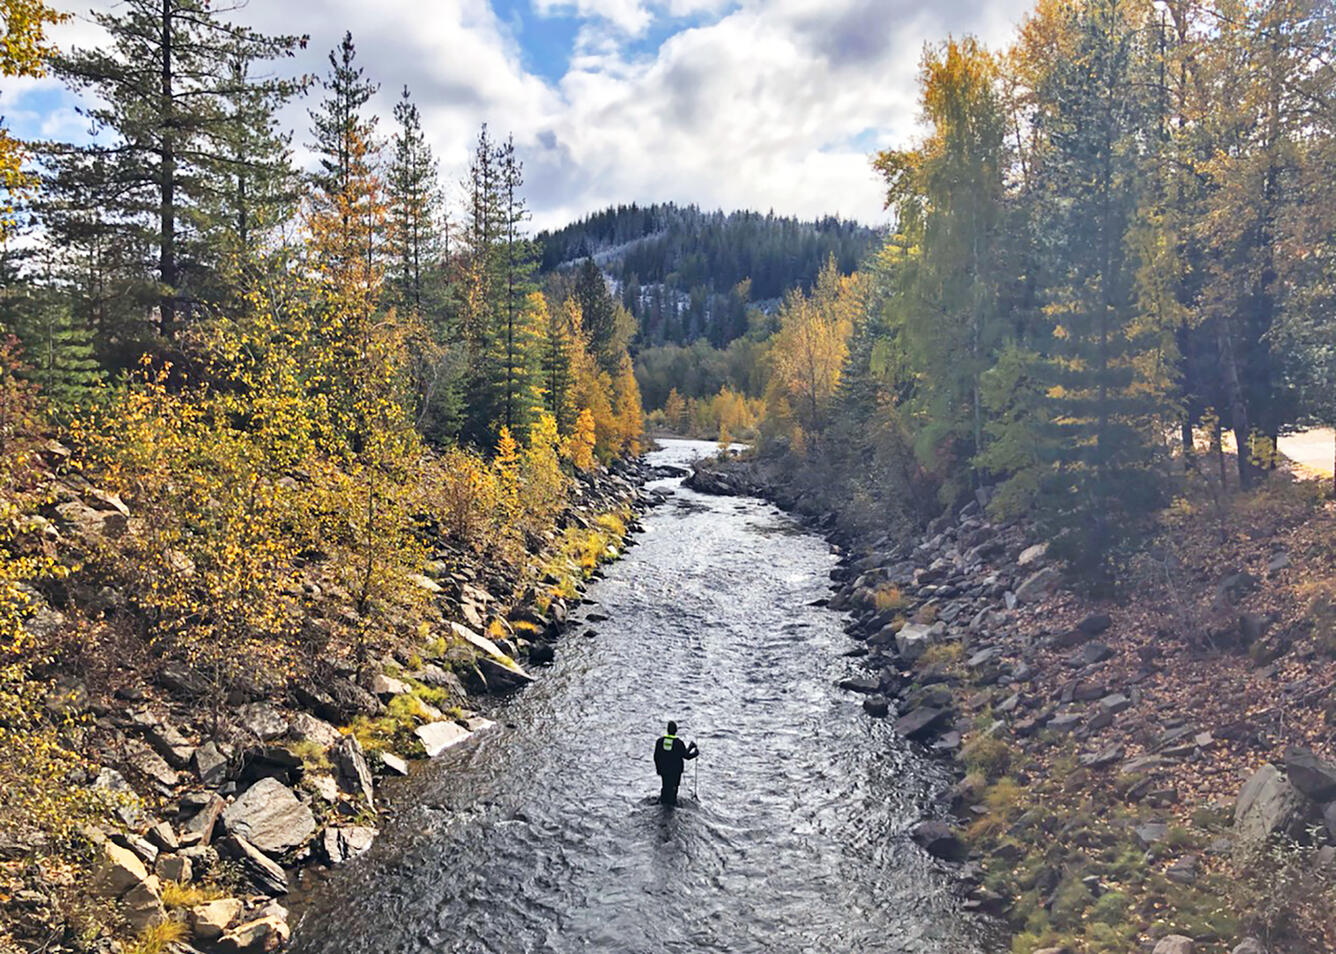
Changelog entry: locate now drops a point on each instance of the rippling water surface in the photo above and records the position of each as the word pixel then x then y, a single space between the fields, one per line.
pixel 543 834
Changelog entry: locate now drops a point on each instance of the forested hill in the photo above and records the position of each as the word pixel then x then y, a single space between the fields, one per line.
pixel 681 271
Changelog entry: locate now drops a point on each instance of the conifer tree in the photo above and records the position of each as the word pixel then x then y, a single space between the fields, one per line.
pixel 161 86
pixel 417 245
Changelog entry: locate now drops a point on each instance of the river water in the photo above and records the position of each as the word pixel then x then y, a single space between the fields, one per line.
pixel 543 834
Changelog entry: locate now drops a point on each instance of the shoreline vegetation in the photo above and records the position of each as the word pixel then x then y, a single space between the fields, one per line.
pixel 1148 770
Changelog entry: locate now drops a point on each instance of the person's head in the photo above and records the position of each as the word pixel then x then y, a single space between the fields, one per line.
pixel 672 728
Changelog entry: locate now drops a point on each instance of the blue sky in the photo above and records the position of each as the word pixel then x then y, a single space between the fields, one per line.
pixel 766 104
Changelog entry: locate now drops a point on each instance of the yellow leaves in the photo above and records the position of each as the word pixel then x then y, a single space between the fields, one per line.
pixel 582 442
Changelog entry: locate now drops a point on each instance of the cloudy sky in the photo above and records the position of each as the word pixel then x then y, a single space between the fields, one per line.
pixel 763 104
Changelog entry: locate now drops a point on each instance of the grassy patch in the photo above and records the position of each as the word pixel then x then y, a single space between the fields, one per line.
pixel 177 895
pixel 948 654
pixel 158 938
pixel 394 729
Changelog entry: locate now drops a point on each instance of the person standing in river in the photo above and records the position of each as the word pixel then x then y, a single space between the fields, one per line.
pixel 670 756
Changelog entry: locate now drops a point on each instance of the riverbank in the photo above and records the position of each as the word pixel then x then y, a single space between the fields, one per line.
pixel 1150 772
pixel 204 805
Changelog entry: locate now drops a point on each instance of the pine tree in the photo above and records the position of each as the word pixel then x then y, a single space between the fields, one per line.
pixel 417 243
pixel 339 125
pixel 1105 430
pixel 161 87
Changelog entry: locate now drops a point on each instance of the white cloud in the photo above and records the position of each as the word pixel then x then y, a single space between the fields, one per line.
pixel 770 104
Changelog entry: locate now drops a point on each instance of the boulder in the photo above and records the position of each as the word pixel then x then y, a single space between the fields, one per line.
pixel 270 817
pixel 923 722
pixel 262 721
pixel 864 684
pixel 1310 775
pixel 119 869
pixel 1174 944
pixel 502 676
pixel 337 700
pixel 1250 945
pixel 351 770
pixel 436 737
pixel 209 921
pixel 1038 585
pixel 1095 652
pixel 913 640
pixel 199 827
pixel 1032 554
pixel 387 687
pixel 342 844
pixel 262 872
pixel 265 934
pixel 210 764
pixel 1268 803
pixel 938 840
pixel 876 706
pixel 307 728
pixel 142 905
pixel 393 763
pixel 174 868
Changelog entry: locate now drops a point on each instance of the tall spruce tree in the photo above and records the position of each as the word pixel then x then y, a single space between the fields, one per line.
pixel 160 89
pixel 417 244
pixel 1103 431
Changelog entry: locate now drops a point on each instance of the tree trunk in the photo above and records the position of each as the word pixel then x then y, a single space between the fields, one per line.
pixel 1238 408
pixel 167 185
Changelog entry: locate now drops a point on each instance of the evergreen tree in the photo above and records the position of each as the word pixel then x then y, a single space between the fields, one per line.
pixel 162 86
pixel 340 129
pixel 1103 434
pixel 417 245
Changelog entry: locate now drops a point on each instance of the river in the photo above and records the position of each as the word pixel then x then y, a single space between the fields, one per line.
pixel 543 834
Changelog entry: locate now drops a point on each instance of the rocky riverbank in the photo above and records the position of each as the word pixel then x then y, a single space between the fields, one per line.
pixel 215 803
pixel 1149 773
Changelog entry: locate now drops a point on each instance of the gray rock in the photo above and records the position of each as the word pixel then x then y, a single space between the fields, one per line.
pixel 342 844
pixel 436 737
pixel 174 868
pixel 913 640
pixel 1278 562
pixel 1329 819
pixel 393 763
pixel 1268 803
pixel 209 921
pixel 262 721
pixel 1092 653
pixel 938 840
pixel 1250 945
pixel 1310 775
pixel 1148 833
pixel 270 817
pixel 210 764
pixel 387 687
pixel 1032 554
pixel 150 765
pixel 262 872
pixel 1115 703
pixel 351 770
pixel 502 677
pixel 876 706
pixel 1038 585
pixel 142 905
pixel 1066 722
pixel 1174 944
pixel 923 722
pixel 307 728
pixel 198 829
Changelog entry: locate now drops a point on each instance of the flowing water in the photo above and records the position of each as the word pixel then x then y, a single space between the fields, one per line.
pixel 543 834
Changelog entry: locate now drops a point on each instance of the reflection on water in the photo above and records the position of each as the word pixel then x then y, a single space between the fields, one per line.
pixel 543 835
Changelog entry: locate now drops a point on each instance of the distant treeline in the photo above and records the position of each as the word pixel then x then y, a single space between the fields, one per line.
pixel 685 274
